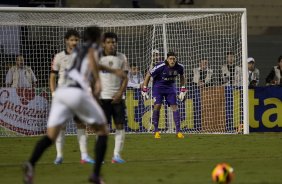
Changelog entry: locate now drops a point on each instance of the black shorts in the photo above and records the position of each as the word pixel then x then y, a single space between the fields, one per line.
pixel 115 111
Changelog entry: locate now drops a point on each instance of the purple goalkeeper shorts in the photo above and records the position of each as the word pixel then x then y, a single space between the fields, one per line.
pixel 160 96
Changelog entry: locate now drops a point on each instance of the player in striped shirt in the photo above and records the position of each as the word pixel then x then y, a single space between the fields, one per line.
pixel 74 98
pixel 59 65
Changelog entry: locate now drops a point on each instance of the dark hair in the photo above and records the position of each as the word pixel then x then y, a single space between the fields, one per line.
pixel 92 34
pixel 71 32
pixel 110 35
pixel 171 53
pixel 279 59
pixel 134 65
pixel 229 53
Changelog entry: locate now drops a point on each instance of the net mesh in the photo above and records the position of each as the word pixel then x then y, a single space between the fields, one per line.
pixel 214 107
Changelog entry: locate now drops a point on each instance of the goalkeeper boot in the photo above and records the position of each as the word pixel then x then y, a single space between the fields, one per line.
pixel 58 161
pixel 28 173
pixel 157 135
pixel 88 160
pixel 117 160
pixel 95 179
pixel 179 135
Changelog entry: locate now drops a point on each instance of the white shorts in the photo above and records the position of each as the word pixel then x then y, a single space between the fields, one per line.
pixel 70 102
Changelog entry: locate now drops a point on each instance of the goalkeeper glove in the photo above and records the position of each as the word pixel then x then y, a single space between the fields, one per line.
pixel 182 93
pixel 144 93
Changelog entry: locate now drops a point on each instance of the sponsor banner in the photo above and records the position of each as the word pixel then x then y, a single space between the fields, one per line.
pixel 216 107
pixel 265 109
pixel 206 110
pixel 24 110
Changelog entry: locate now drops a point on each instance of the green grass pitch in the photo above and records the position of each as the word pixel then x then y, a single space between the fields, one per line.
pixel 256 158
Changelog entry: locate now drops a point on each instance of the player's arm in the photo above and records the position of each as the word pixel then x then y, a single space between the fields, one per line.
pixel 93 60
pixel 125 68
pixel 117 72
pixel 183 89
pixel 144 89
pixel 34 80
pixel 146 80
pixel 118 96
pixel 182 80
pixel 9 78
pixel 53 76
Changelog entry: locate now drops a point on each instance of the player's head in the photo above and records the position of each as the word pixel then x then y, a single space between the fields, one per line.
pixel 134 69
pixel 92 34
pixel 110 42
pixel 203 64
pixel 280 62
pixel 19 60
pixel 155 56
pixel 230 58
pixel 71 38
pixel 170 59
pixel 251 63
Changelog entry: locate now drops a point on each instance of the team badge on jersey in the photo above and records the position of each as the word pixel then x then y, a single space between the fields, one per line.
pixel 111 63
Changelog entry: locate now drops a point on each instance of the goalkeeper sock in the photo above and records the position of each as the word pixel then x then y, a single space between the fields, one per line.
pixel 176 118
pixel 119 141
pixel 100 151
pixel 40 147
pixel 82 140
pixel 156 116
pixel 60 141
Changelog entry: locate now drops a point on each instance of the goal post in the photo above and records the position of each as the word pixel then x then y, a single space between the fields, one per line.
pixel 216 104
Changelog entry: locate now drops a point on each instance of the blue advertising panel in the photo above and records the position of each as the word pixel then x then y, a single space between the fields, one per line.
pixel 265 109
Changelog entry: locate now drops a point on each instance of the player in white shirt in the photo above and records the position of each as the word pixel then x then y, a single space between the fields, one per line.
pixel 113 88
pixel 74 98
pixel 59 65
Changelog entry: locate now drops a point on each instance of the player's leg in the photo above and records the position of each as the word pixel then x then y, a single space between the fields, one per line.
pixel 82 141
pixel 100 151
pixel 44 143
pixel 171 100
pixel 40 148
pixel 156 118
pixel 38 151
pixel 119 120
pixel 158 98
pixel 58 115
pixel 90 112
pixel 60 141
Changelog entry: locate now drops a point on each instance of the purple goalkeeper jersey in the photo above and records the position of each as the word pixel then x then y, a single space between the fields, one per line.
pixel 164 77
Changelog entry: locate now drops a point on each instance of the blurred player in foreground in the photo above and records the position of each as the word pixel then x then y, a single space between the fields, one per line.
pixel 113 88
pixel 59 65
pixel 164 74
pixel 74 98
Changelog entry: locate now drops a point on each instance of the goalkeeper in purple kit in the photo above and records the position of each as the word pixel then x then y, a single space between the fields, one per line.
pixel 164 75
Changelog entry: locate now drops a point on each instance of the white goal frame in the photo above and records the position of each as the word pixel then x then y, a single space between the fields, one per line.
pixel 172 10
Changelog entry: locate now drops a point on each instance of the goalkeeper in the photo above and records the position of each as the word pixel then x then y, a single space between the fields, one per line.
pixel 164 75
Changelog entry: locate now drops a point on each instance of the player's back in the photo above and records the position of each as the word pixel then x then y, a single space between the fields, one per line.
pixel 78 73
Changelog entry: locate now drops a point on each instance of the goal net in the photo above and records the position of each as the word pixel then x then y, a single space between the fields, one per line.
pixel 216 101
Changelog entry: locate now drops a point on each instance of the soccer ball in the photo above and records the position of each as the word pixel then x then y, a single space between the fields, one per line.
pixel 223 173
